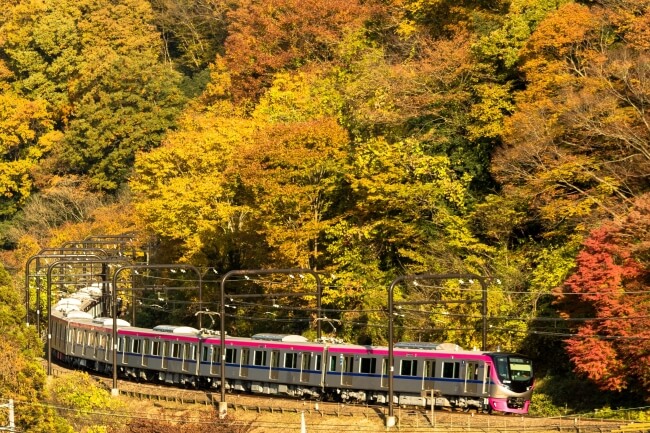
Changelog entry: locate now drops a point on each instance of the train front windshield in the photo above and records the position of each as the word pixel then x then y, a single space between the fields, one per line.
pixel 514 370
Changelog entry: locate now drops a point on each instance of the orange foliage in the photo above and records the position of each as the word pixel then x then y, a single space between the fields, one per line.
pixel 266 37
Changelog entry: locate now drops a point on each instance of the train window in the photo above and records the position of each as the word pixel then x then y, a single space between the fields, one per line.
pixel 192 352
pixel 176 350
pixel 80 336
pixel 409 367
pixel 136 346
pixel 317 362
pixel 120 344
pixel 472 371
pixel 259 358
pixel 129 344
pixel 231 356
pixel 430 369
pixel 332 366
pixel 216 355
pixel 451 370
pixel 368 365
pixel 205 353
pixel 290 360
pixel 164 351
pixel 155 348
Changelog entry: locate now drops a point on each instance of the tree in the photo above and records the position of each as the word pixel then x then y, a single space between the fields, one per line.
pixel 83 403
pixel 21 373
pixel 193 30
pixel 607 290
pixel 272 36
pixel 98 66
pixel 26 135
pixel 185 190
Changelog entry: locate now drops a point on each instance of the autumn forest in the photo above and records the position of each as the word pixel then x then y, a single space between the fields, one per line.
pixel 364 139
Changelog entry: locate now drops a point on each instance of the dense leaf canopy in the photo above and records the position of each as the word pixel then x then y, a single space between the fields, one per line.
pixel 361 139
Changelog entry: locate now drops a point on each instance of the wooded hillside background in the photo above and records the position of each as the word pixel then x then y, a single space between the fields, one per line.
pixel 361 139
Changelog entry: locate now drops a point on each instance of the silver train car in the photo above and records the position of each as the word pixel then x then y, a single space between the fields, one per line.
pixel 440 374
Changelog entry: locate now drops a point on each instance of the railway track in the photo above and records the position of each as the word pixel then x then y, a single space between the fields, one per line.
pixel 409 418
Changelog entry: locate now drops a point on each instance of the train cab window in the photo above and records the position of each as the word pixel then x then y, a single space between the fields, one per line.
pixel 231 356
pixel 332 366
pixel 451 370
pixel 290 360
pixel 368 365
pixel 259 358
pixel 409 367
pixel 176 350
pixel 155 348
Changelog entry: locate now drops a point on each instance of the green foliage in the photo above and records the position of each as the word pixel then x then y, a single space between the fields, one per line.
pixel 97 65
pixel 502 46
pixel 86 405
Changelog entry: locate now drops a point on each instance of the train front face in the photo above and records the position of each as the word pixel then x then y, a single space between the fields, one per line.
pixel 513 382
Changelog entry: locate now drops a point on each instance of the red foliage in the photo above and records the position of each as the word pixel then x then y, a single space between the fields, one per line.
pixel 609 288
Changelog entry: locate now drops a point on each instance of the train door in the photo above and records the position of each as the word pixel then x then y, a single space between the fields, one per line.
pixel 84 342
pixel 215 360
pixel 137 350
pixel 428 375
pixel 347 368
pixel 305 365
pixel 185 355
pixel 69 340
pixel 472 384
pixel 108 349
pixel 244 361
pixel 124 344
pixel 164 352
pixel 319 364
pixel 146 347
pixel 486 378
pixel 384 372
pixel 275 364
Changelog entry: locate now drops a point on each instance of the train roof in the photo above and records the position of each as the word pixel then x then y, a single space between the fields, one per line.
pixel 173 329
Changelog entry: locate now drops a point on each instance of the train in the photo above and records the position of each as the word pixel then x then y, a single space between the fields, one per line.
pixel 425 374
